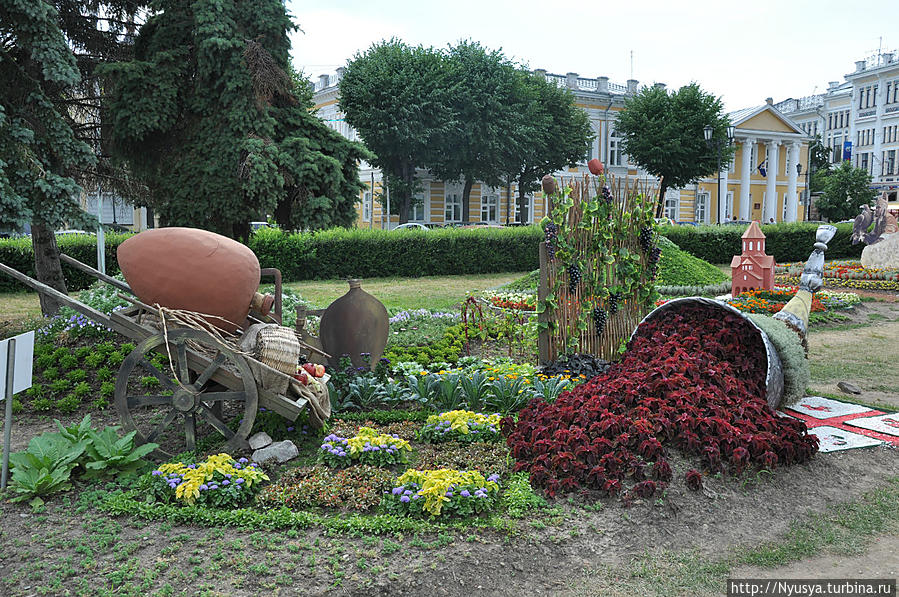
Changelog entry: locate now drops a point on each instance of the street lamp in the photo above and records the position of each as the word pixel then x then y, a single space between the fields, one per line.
pixel 718 145
pixel 808 191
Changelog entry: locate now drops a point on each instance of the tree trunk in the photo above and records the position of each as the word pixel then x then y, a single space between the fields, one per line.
pixel 406 199
pixel 466 193
pixel 522 204
pixel 660 208
pixel 47 268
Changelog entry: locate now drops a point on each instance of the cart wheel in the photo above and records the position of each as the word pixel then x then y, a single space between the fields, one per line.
pixel 169 416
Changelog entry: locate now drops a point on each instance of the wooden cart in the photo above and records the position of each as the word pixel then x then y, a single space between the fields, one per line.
pixel 206 386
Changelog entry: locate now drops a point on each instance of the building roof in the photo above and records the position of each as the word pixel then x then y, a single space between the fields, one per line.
pixel 740 116
pixel 753 231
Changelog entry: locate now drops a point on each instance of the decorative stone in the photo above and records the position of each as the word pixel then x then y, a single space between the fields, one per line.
pixel 884 254
pixel 280 451
pixel 259 440
pixel 849 388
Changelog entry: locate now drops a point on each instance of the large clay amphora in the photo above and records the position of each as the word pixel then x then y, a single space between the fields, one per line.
pixel 194 270
pixel 355 324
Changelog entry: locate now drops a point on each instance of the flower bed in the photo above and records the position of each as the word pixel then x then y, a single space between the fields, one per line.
pixel 844 274
pixel 355 488
pixel 462 426
pixel 217 481
pixel 689 381
pixel 368 446
pixel 769 301
pixel 518 301
pixel 442 491
pixel 880 285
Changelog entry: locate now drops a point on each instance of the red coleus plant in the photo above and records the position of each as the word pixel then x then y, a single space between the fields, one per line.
pixel 693 479
pixel 692 381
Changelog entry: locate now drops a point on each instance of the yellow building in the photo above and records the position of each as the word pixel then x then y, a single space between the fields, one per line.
pixel 761 183
pixel 769 136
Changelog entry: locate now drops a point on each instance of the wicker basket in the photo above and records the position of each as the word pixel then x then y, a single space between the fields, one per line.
pixel 278 347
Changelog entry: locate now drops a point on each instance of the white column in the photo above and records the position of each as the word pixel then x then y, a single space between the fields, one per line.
pixel 722 199
pixel 771 188
pixel 792 197
pixel 746 179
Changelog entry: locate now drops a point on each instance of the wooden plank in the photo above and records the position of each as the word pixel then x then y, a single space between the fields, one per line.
pixel 285 407
pixel 95 273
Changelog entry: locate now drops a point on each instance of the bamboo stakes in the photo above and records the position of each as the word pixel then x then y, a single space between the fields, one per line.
pixel 565 335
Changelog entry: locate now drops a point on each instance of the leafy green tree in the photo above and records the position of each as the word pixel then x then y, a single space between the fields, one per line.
pixel 397 98
pixel 50 127
pixel 846 190
pixel 663 133
pixel 552 133
pixel 819 164
pixel 208 116
pixel 485 86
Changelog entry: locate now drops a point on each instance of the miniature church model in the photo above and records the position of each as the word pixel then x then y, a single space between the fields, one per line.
pixel 753 269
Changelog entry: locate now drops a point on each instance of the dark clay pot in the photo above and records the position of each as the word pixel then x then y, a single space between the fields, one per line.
pixel 354 324
pixel 191 269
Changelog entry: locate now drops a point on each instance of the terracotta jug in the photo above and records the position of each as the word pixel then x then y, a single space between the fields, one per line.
pixel 355 324
pixel 196 270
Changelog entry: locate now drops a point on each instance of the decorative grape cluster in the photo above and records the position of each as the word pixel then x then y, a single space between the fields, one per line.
pixel 646 238
pixel 606 193
pixel 574 277
pixel 655 255
pixel 551 233
pixel 599 320
pixel 613 302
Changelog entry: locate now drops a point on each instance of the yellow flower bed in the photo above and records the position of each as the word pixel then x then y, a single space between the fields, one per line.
pixel 368 436
pixel 193 476
pixel 435 484
pixel 461 420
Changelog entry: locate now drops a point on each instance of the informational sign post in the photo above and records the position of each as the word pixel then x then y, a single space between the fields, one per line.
pixel 16 359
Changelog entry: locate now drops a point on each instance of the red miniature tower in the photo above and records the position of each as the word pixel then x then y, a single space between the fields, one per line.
pixel 752 269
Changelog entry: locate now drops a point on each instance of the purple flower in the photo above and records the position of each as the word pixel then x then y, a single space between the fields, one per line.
pixel 494 478
pixel 449 494
pixel 397 490
pixel 404 499
pixel 243 461
pixel 203 487
pixel 213 487
pixel 407 492
pixel 325 446
pixel 173 485
pixel 226 482
pixel 157 473
pixel 239 481
pixel 290 429
pixel 465 493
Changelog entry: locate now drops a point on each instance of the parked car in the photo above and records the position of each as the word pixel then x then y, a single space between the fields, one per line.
pixel 411 226
pixel 74 232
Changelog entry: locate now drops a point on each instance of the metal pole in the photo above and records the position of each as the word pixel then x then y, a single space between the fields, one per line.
pixel 371 213
pixel 388 207
pixel 101 234
pixel 7 425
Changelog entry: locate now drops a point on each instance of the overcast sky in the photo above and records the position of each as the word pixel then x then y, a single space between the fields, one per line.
pixel 743 52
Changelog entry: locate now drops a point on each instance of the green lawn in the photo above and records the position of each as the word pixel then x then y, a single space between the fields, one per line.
pixel 432 292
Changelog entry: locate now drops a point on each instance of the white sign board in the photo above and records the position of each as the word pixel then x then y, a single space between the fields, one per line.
pixel 21 379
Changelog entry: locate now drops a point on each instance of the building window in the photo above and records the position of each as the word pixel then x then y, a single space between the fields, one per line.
pixel 490 206
pixel 528 208
pixel 366 207
pixel 453 205
pixel 728 205
pixel 863 161
pixel 672 198
pixel 889 162
pixel 614 148
pixel 419 210
pixel 701 210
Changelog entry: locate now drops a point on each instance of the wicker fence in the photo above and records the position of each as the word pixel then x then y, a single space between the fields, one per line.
pixel 563 334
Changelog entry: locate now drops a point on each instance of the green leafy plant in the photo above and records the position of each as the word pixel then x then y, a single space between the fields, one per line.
pixel 94 360
pixel 104 373
pixel 107 389
pixel 519 497
pixel 76 375
pixel 69 361
pixel 81 389
pixel 108 454
pixel 508 395
pixel 68 404
pixel 44 468
pixel 60 385
pixel 50 373
pixel 76 433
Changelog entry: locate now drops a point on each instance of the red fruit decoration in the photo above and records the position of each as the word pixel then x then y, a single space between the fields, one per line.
pixel 302 378
pixel 688 381
pixel 596 167
pixel 310 368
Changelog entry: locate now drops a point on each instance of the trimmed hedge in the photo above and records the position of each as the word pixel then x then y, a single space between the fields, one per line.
pixel 18 254
pixel 785 242
pixel 331 254
pixel 342 253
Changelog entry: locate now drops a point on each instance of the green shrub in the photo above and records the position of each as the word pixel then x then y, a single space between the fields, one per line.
pixel 107 389
pixel 60 385
pixel 114 359
pixel 94 359
pixel 792 356
pixel 50 373
pixel 81 389
pixel 76 375
pixel 679 268
pixel 105 374
pixel 68 404
pixel 44 361
pixel 784 242
pixel 17 253
pixel 42 404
